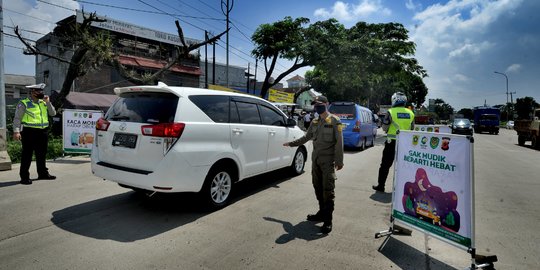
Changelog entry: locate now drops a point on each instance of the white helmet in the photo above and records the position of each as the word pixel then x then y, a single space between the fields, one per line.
pixel 398 98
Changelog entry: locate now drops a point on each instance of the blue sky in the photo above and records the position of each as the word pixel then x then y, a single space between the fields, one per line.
pixel 459 42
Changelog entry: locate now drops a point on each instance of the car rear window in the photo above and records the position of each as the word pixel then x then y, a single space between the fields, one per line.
pixel 216 107
pixel 343 111
pixel 144 107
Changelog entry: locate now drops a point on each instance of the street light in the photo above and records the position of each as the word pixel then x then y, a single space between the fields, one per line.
pixel 507 112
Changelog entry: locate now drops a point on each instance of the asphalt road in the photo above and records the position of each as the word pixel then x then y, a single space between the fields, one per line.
pixel 81 222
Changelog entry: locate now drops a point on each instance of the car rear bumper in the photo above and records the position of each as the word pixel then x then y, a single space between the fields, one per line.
pixel 173 174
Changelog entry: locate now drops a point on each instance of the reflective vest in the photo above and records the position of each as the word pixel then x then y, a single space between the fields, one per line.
pixel 402 119
pixel 35 115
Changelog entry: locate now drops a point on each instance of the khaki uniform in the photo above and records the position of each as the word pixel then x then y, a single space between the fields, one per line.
pixel 327 152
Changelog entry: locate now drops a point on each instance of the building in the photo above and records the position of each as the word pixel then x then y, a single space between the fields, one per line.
pixel 140 49
pixel 296 82
pixel 237 75
pixel 15 86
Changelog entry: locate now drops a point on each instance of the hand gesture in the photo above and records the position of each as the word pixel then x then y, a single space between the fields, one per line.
pixel 17 136
pixel 46 99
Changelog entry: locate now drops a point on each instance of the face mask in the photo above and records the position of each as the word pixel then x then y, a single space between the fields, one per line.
pixel 40 95
pixel 320 108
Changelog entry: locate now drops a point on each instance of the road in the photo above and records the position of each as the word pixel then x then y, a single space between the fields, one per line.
pixel 81 222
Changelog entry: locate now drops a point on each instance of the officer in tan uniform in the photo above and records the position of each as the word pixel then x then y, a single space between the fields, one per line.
pixel 327 156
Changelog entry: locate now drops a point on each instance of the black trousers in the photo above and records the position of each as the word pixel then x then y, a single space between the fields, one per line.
pixel 387 161
pixel 324 182
pixel 33 140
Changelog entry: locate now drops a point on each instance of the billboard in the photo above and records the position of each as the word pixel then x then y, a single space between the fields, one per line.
pixel 433 185
pixel 280 96
pixel 79 130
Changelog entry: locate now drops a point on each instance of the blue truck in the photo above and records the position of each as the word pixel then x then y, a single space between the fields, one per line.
pixel 486 119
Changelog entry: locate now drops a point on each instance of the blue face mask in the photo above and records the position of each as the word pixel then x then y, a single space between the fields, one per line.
pixel 320 108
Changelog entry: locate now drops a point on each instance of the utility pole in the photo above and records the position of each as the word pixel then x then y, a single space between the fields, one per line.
pixel 512 103
pixel 5 161
pixel 214 63
pixel 255 78
pixel 226 10
pixel 507 112
pixel 248 77
pixel 206 59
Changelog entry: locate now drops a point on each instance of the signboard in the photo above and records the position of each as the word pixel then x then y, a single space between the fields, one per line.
pixel 134 30
pixel 433 128
pixel 79 130
pixel 433 185
pixel 280 96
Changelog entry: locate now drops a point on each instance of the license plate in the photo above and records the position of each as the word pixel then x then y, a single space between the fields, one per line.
pixel 124 140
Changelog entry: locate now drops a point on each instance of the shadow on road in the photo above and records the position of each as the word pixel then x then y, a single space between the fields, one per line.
pixel 305 230
pixel 407 257
pixel 67 160
pixel 130 216
pixel 381 197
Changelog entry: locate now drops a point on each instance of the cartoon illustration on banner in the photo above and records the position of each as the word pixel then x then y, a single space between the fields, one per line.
pixel 79 130
pixel 433 184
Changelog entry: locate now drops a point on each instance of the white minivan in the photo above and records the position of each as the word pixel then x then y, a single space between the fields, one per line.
pixel 180 139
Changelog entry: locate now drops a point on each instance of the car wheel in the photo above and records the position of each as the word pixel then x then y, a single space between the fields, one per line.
pixel 521 140
pixel 363 146
pixel 217 187
pixel 372 141
pixel 535 143
pixel 299 161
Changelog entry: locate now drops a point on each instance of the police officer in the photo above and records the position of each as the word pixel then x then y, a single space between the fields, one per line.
pixel 327 156
pixel 397 118
pixel 30 126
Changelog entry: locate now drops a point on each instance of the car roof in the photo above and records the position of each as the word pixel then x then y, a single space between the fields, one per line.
pixel 179 91
pixel 348 103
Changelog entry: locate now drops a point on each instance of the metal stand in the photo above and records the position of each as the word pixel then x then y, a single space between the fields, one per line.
pixel 482 261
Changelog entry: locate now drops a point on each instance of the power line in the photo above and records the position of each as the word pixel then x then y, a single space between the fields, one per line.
pixel 28 15
pixel 172 15
pixel 55 5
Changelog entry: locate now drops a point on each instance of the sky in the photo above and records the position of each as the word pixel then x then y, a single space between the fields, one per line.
pixel 460 43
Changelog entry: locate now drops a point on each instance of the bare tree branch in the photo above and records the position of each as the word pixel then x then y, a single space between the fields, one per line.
pixel 33 50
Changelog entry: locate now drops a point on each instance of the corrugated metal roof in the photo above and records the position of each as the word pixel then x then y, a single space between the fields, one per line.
pixel 13 79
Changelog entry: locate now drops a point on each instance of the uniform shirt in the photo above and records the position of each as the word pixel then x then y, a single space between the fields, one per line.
pixel 19 113
pixel 327 135
pixel 387 121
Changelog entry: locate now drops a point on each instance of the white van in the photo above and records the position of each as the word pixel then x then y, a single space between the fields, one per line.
pixel 180 139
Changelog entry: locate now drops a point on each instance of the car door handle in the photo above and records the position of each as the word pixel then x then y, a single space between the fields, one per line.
pixel 238 131
pixel 272 132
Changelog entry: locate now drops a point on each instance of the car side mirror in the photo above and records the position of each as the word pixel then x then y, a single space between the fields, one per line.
pixel 290 122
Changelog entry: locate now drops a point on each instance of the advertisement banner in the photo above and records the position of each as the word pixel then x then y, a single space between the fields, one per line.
pixel 433 128
pixel 280 96
pixel 79 130
pixel 433 185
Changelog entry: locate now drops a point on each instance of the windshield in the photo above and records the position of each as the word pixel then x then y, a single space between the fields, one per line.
pixel 462 122
pixel 489 117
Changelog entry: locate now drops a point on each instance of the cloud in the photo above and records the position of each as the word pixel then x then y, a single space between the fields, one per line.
pixel 411 5
pixel 514 68
pixel 350 12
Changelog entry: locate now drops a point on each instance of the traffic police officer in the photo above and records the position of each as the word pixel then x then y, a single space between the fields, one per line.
pixel 327 156
pixel 30 126
pixel 397 118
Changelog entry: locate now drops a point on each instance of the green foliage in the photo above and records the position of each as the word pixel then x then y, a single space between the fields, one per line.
pixel 55 149
pixel 442 109
pixel 467 113
pixel 525 107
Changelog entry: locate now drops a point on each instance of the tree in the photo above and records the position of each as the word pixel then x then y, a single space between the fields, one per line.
pixel 288 39
pixel 467 113
pixel 92 48
pixel 525 107
pixel 442 109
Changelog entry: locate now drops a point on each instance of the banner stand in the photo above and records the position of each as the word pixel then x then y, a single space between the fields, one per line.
pixel 445 222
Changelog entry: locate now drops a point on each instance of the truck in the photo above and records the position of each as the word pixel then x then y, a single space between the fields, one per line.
pixel 486 119
pixel 528 130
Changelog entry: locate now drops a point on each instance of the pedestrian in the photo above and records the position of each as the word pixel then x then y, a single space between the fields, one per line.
pixel 307 120
pixel 327 157
pixel 30 126
pixel 397 118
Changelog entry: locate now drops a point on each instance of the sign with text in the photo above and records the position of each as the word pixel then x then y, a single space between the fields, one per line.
pixel 433 185
pixel 280 96
pixel 79 130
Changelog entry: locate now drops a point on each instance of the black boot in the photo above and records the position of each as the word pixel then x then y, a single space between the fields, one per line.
pixel 26 181
pixel 316 218
pixel 326 227
pixel 378 188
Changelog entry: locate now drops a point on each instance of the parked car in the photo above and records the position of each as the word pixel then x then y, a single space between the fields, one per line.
pixel 510 124
pixel 360 128
pixel 462 126
pixel 179 139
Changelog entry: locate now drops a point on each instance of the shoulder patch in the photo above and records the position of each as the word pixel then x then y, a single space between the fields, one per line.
pixel 340 127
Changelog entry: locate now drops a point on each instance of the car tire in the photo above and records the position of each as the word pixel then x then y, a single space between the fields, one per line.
pixel 217 188
pixel 363 146
pixel 372 141
pixel 299 162
pixel 521 140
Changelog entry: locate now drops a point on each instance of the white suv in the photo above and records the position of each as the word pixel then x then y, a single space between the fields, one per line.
pixel 180 139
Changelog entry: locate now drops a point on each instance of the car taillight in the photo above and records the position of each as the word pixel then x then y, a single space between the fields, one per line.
pixel 171 130
pixel 102 124
pixel 356 127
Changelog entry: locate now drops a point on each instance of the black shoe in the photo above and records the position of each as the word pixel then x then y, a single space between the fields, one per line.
pixel 26 182
pixel 326 227
pixel 46 177
pixel 317 217
pixel 378 188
